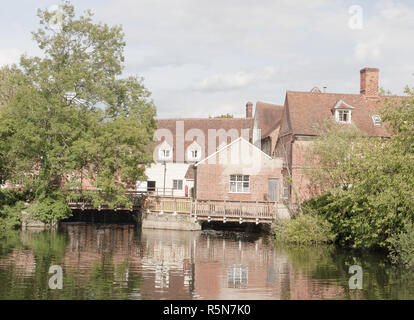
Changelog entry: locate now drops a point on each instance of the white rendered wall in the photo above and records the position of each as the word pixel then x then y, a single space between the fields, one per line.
pixel 175 171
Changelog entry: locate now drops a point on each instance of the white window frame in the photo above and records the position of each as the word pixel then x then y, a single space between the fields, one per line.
pixel 163 150
pixel 239 183
pixel 338 118
pixel 177 183
pixel 194 148
pixel 376 118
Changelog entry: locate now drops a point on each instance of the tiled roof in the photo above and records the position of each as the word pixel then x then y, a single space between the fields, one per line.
pixel 307 109
pixel 204 124
pixel 189 175
pixel 269 117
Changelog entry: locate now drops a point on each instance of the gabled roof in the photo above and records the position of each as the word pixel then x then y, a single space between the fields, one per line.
pixel 268 116
pixel 342 105
pixel 240 139
pixel 304 110
pixel 189 175
pixel 204 124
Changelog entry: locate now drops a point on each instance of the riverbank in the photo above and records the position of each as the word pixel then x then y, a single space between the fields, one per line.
pixel 320 222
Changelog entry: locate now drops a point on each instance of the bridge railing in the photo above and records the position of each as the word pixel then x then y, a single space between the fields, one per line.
pixel 170 204
pixel 235 209
pixel 82 198
pixel 263 210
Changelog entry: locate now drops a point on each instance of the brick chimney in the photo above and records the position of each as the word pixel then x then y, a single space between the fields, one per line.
pixel 369 82
pixel 249 109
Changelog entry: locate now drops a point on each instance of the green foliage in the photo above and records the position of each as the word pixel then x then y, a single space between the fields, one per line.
pixel 72 114
pixel 10 216
pixel 366 182
pixel 50 208
pixel 401 248
pixel 304 229
pixel 224 116
pixel 356 222
pixel 11 206
pixel 334 158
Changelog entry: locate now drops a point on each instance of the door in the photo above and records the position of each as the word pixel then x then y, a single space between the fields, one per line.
pixel 150 186
pixel 273 189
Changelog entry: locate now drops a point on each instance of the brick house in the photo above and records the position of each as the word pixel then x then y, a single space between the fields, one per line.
pixel 266 125
pixel 181 143
pixel 303 110
pixel 238 171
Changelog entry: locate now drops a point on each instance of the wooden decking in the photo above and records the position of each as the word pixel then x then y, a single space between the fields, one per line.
pixel 199 209
pixel 82 200
pixel 216 210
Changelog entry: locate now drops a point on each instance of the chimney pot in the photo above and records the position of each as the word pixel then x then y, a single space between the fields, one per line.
pixel 369 82
pixel 249 109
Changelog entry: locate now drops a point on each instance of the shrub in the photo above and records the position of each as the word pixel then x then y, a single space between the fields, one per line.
pixel 358 219
pixel 10 217
pixel 304 229
pixel 401 247
pixel 50 209
pixel 11 205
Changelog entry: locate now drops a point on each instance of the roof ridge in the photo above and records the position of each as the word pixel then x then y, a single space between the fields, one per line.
pixel 273 104
pixel 324 94
pixel 249 119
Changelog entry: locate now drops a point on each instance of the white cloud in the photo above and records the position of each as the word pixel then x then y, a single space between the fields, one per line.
pixel 211 56
pixel 369 50
pixel 229 81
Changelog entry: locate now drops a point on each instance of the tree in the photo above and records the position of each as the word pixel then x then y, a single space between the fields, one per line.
pixel 73 113
pixel 224 116
pixel 367 181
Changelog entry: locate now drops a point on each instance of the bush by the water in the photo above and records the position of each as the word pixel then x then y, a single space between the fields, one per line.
pixel 51 208
pixel 401 247
pixel 356 220
pixel 304 229
pixel 11 205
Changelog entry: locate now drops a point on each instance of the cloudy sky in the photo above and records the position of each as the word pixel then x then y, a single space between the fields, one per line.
pixel 209 57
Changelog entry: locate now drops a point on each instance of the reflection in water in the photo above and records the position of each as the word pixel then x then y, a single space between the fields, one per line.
pixel 237 276
pixel 121 262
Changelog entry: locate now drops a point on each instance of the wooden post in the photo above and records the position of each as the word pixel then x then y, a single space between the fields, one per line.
pixel 241 208
pixel 276 212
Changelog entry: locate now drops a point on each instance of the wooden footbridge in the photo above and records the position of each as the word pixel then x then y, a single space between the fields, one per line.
pixel 198 209
pixel 83 200
pixel 216 210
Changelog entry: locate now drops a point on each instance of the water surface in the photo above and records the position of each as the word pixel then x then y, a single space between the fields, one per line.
pixel 124 262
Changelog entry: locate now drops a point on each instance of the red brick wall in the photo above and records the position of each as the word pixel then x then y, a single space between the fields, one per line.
pixel 369 82
pixel 303 184
pixel 213 180
pixel 295 161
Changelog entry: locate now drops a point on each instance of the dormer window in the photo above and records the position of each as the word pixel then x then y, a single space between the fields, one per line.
pixel 342 112
pixel 164 152
pixel 194 152
pixel 343 116
pixel 377 120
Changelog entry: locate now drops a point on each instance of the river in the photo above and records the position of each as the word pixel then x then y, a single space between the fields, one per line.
pixel 125 262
